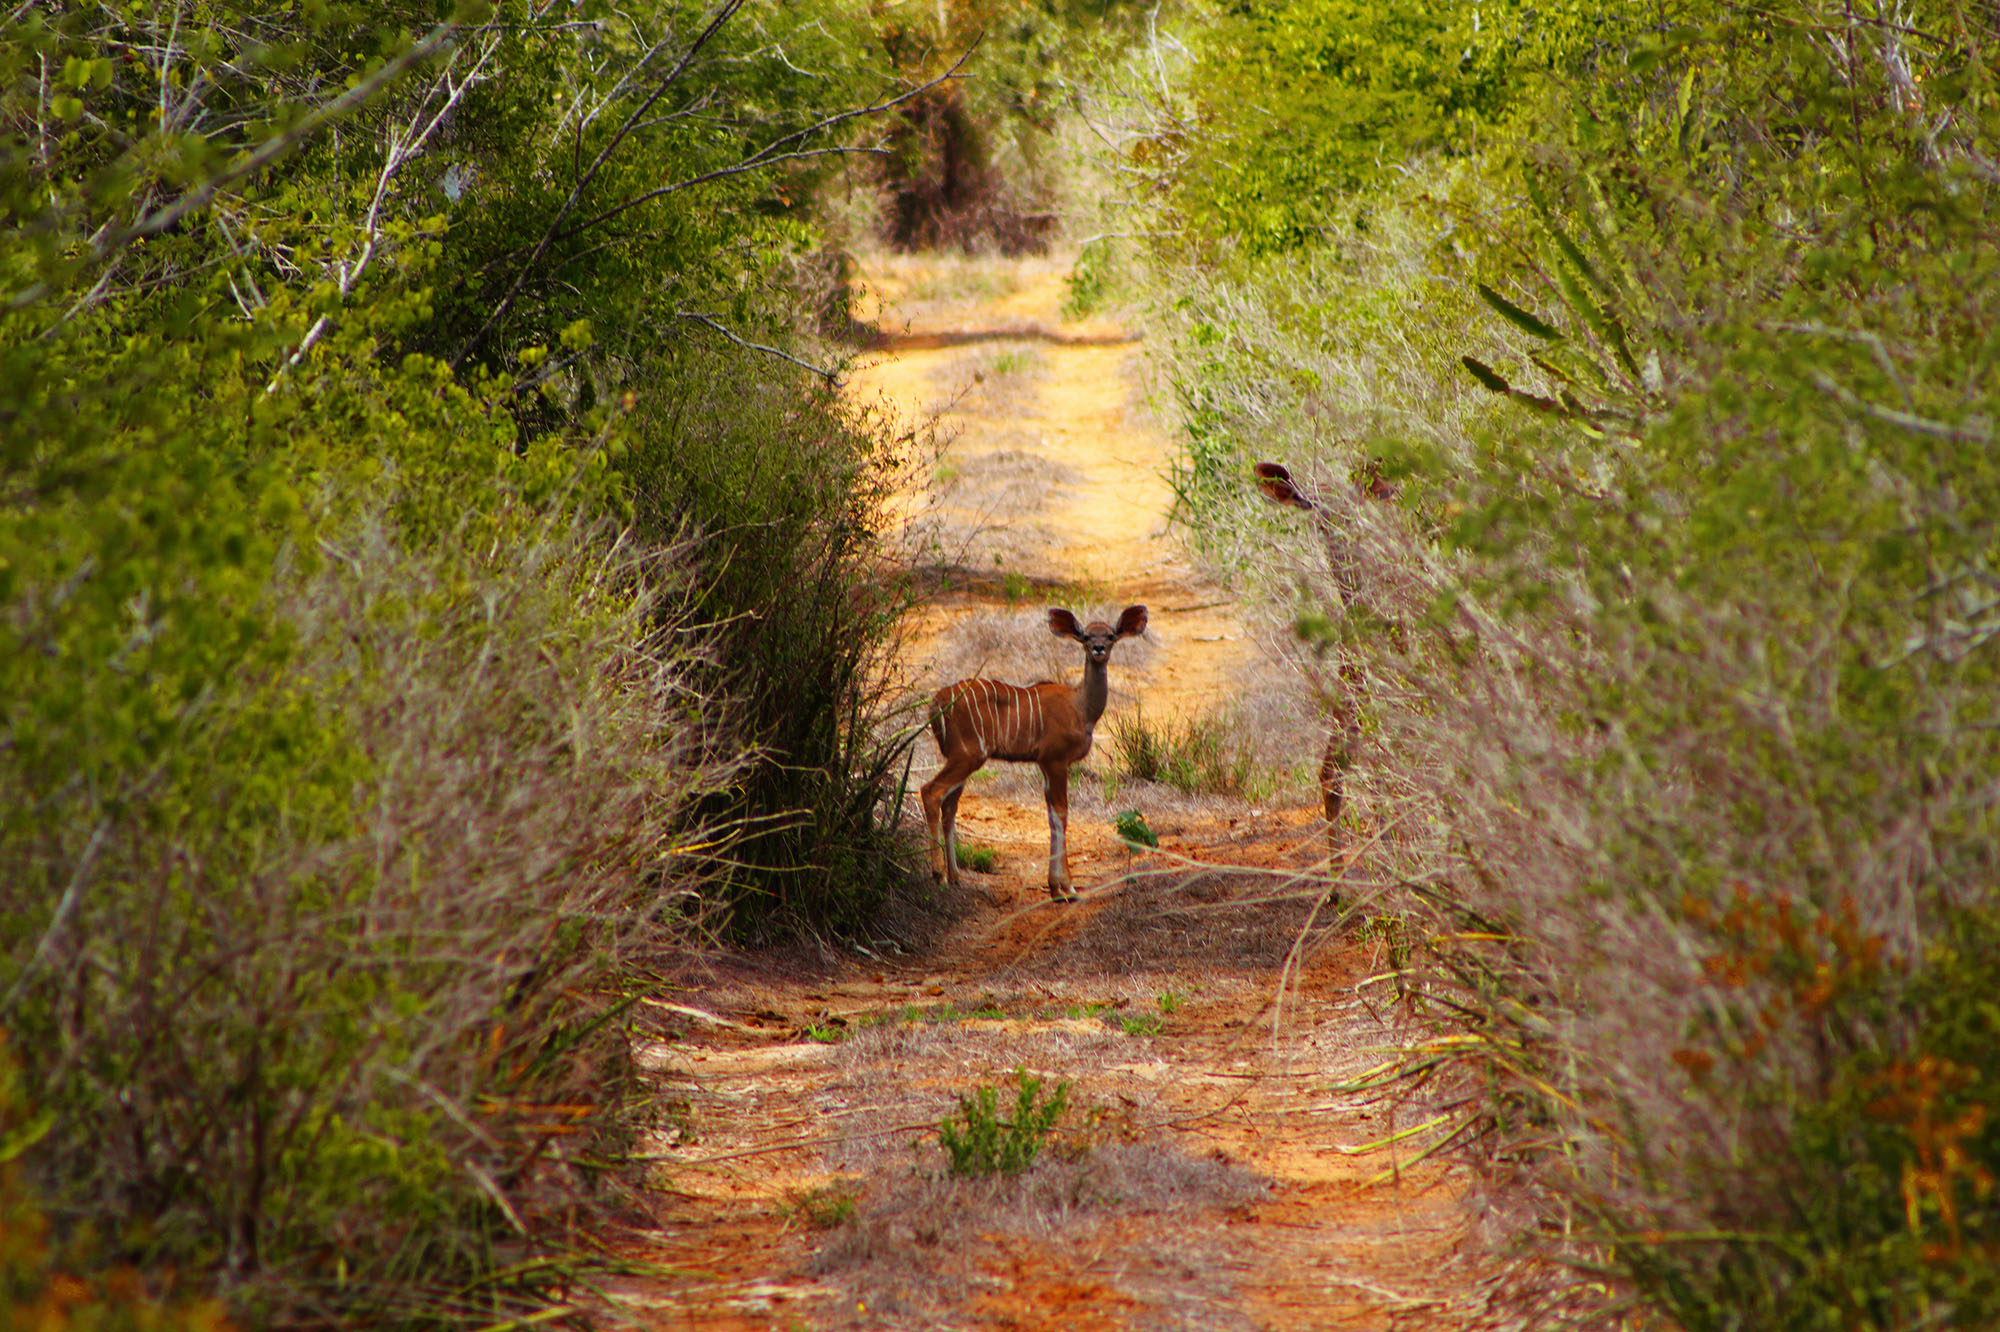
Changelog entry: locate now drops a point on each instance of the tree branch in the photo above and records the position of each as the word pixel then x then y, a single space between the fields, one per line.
pixel 276 146
pixel 830 376
pixel 722 15
pixel 768 155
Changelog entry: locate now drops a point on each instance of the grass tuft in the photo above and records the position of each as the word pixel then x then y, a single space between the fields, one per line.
pixel 980 859
pixel 1198 755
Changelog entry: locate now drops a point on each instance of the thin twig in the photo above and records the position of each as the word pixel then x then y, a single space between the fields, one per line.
pixel 830 376
pixel 277 145
pixel 59 918
pixel 553 231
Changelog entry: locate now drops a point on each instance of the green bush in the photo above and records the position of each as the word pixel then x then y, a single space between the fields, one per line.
pixel 1671 630
pixel 354 747
pixel 978 1142
pixel 980 858
pixel 783 498
pixel 968 161
pixel 1296 104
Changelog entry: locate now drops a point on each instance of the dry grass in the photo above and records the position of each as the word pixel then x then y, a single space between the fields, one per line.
pixel 1613 824
pixel 1001 483
pixel 1186 922
pixel 1000 379
pixel 945 288
pixel 915 1247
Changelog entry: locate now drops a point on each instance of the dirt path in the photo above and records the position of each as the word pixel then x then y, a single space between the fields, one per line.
pixel 1205 1175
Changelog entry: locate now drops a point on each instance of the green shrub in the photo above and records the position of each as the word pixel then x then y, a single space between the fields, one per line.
pixel 353 748
pixel 1688 691
pixel 783 498
pixel 825 1207
pixel 980 858
pixel 1298 103
pixel 967 164
pixel 978 1142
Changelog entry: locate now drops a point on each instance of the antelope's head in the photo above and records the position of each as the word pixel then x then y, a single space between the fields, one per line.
pixel 1097 637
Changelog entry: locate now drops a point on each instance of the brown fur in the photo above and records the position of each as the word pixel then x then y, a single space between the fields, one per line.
pixel 1047 724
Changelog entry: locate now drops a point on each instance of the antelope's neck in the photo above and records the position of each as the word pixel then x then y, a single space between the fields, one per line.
pixel 1093 693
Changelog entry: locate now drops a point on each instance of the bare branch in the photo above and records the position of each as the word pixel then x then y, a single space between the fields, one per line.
pixel 830 376
pixel 1973 432
pixel 722 15
pixel 768 156
pixel 278 145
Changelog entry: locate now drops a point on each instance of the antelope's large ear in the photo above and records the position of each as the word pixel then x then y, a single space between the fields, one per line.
pixel 1062 624
pixel 1133 622
pixel 1276 483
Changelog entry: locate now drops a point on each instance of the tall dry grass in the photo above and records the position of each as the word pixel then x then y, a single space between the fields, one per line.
pixel 342 1028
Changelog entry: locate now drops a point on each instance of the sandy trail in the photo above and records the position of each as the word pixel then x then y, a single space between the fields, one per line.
pixel 1206 1175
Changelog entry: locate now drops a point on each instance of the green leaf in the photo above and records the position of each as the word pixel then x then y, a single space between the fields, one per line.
pixel 1486 374
pixel 1575 255
pixel 1528 323
pixel 24 1136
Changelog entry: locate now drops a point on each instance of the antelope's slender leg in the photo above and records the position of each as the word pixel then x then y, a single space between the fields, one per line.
pixel 940 792
pixel 1055 778
pixel 934 829
pixel 950 806
pixel 1342 740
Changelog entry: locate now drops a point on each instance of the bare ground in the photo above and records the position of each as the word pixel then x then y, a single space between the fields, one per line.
pixel 1209 1173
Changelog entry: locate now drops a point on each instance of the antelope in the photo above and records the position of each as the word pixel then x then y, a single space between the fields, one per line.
pixel 1344 725
pixel 1046 724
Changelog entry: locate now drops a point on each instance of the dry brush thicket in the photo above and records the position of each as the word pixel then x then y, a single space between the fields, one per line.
pixel 1675 644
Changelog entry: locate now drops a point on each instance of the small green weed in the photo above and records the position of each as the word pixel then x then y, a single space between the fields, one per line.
pixel 1016 587
pixel 934 1014
pixel 1393 932
pixel 980 858
pixel 1077 1012
pixel 824 1207
pixel 831 1034
pixel 1087 590
pixel 1014 361
pixel 1142 1024
pixel 1171 1001
pixel 1132 829
pixel 980 1143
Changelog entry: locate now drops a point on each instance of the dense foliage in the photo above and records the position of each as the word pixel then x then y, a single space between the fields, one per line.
pixel 365 716
pixel 968 163
pixel 1675 638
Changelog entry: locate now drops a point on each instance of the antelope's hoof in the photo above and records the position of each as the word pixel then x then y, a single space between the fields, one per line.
pixel 1063 894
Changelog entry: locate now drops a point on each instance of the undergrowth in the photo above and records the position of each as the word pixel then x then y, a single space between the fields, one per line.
pixel 1198 755
pixel 797 610
pixel 1651 550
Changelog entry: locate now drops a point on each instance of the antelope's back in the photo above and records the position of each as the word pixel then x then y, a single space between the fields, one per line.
pixel 1005 721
